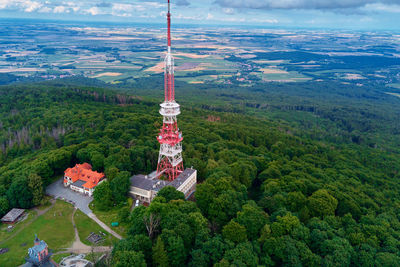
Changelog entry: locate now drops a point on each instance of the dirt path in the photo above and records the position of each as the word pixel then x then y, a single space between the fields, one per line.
pixel 39 213
pixel 78 247
pixel 103 225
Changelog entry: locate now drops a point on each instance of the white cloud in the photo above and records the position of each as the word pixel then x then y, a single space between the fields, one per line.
pixel 231 19
pixel 93 11
pixel 24 5
pixel 301 4
pixel 74 6
pixel 269 21
pixel 60 9
pixel 122 7
pixel 228 11
pixel 31 6
pixel 382 8
pixel 198 17
pixel 122 10
pixel 45 9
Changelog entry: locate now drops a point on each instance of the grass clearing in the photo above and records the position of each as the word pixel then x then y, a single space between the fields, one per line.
pixel 54 227
pixel 110 216
pixel 278 76
pixel 57 258
pixel 85 226
pixel 30 215
pixel 198 79
pixel 95 256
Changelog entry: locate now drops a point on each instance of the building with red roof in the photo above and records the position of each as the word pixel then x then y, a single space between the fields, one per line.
pixel 82 178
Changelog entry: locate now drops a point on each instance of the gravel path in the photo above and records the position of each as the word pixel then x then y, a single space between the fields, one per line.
pixel 78 247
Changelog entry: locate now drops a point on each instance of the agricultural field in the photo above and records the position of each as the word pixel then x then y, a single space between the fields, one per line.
pixel 121 54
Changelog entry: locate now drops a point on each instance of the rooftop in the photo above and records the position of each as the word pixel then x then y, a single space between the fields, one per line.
pixel 140 181
pixel 83 172
pixel 79 183
pixel 182 178
pixel 150 183
pixel 39 247
pixel 12 215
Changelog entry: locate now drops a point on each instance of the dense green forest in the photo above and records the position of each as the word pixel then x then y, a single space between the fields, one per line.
pixel 289 174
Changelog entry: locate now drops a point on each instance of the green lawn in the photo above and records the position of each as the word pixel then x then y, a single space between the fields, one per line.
pixel 5 234
pixel 55 227
pixel 57 258
pixel 85 226
pixel 112 216
pixel 93 257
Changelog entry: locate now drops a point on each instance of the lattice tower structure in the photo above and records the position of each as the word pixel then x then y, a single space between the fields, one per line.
pixel 170 162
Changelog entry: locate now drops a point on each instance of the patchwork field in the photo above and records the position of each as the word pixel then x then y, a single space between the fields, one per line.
pixel 122 54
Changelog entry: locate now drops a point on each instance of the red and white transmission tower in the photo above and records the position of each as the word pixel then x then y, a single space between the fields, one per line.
pixel 170 163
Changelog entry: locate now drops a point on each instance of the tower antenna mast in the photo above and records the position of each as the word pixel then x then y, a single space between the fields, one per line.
pixel 170 162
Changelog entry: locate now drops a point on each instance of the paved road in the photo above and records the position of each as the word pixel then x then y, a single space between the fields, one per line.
pixel 57 190
pixel 80 201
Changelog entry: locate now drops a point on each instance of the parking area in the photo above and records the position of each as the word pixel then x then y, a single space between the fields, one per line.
pixel 57 190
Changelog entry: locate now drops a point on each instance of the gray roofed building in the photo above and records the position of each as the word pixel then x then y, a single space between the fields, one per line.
pixel 182 178
pixel 145 188
pixel 142 182
pixel 12 216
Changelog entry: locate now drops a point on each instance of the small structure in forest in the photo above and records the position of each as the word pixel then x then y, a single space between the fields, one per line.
pixel 12 216
pixel 81 178
pixel 39 255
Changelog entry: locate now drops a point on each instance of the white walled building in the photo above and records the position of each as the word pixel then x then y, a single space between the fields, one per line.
pixel 145 188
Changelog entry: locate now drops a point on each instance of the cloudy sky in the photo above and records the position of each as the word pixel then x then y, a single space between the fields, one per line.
pixel 348 14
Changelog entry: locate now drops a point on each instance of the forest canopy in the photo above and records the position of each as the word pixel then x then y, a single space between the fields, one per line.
pixel 270 193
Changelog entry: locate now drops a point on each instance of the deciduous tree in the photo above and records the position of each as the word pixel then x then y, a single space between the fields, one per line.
pixel 36 187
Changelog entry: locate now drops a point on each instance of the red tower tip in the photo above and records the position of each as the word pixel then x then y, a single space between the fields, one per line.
pixel 169 25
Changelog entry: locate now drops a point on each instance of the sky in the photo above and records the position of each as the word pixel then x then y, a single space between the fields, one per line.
pixel 328 14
